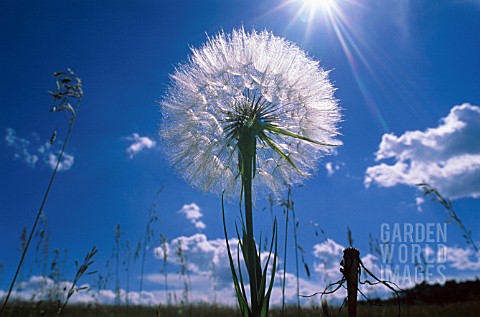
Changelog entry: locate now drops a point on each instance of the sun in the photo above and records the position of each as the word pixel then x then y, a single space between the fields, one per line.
pixel 311 10
pixel 324 5
pixel 315 12
pixel 341 20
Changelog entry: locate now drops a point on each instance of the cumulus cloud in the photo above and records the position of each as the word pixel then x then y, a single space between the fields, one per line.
pixel 209 270
pixel 205 257
pixel 32 152
pixel 192 212
pixel 463 259
pixel 328 256
pixel 138 144
pixel 40 288
pixel 209 278
pixel 447 156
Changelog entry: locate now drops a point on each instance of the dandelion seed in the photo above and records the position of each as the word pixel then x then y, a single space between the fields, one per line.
pixel 255 82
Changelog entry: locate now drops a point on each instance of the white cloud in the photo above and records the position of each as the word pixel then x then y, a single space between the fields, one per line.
pixel 32 152
pixel 39 288
pixel 138 144
pixel 65 164
pixel 206 260
pixel 209 278
pixel 447 157
pixel 329 168
pixel 460 258
pixel 332 168
pixel 192 212
pixel 21 147
pixel 328 256
pixel 419 202
pixel 209 271
pixel 205 257
pixel 200 225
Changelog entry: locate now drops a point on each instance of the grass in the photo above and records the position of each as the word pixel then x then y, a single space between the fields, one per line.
pixel 16 309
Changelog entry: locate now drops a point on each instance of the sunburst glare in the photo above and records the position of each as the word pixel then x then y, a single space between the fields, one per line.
pixel 331 14
pixel 311 11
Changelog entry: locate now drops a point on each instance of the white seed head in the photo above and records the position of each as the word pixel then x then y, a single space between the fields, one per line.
pixel 219 83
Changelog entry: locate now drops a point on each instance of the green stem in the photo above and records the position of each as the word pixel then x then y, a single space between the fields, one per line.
pixel 247 148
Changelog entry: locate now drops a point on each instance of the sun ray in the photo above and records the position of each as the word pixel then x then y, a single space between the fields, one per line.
pixel 331 14
pixel 341 18
pixel 347 42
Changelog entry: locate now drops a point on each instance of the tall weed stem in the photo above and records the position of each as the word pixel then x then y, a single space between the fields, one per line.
pixel 68 85
pixel 447 204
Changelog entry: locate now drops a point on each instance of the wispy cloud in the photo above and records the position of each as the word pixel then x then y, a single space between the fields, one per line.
pixel 21 147
pixel 138 143
pixel 32 151
pixel 447 157
pixel 64 165
pixel 192 212
pixel 332 168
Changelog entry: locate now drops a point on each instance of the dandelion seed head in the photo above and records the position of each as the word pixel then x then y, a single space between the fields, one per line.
pixel 254 80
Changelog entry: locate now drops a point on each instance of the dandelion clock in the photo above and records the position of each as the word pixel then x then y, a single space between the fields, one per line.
pixel 248 81
pixel 247 114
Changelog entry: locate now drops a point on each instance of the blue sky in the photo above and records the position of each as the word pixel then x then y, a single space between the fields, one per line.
pixel 407 78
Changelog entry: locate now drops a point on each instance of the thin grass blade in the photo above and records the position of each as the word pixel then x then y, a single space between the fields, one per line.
pixel 242 300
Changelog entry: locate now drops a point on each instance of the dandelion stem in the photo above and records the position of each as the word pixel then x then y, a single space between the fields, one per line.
pixel 247 148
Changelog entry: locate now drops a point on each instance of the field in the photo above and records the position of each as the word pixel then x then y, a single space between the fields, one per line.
pixel 464 309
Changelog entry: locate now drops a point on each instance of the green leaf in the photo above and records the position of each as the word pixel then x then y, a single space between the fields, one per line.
pixel 278 130
pixel 240 275
pixel 266 301
pixel 272 144
pixel 242 299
